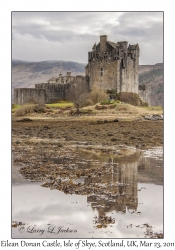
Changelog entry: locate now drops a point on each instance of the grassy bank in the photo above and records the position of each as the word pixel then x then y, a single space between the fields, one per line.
pixel 62 104
pixel 106 109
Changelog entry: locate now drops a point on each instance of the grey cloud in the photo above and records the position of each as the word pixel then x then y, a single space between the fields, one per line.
pixel 72 34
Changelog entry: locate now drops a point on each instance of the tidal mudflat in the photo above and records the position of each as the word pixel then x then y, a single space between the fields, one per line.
pixel 78 180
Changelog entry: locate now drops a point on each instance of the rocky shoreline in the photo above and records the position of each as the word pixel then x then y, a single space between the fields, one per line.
pixel 154 117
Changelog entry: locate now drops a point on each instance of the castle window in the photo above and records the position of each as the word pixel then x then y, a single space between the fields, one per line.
pixel 101 72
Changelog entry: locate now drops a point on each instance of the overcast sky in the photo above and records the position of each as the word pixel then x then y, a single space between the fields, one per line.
pixel 39 36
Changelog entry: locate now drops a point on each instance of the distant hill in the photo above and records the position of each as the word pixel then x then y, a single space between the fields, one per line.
pixel 26 74
pixel 153 75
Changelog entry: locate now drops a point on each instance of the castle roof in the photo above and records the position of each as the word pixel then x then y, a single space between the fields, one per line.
pixel 132 46
pixel 112 44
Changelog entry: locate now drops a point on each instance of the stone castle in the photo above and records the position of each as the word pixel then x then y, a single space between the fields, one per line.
pixel 111 66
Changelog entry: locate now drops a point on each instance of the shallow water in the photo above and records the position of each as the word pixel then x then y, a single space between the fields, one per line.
pixel 135 207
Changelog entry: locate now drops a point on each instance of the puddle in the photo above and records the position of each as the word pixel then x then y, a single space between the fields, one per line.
pixel 123 197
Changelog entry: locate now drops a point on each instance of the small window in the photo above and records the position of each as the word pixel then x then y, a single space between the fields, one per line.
pixel 101 72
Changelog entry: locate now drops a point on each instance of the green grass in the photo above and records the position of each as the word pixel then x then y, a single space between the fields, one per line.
pixel 15 107
pixel 107 102
pixel 59 105
pixel 62 104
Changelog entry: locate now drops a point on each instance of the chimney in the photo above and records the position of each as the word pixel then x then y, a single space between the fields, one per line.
pixel 103 40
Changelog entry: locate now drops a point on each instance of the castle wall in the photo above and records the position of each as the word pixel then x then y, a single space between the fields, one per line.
pixel 54 92
pixel 78 81
pixel 129 82
pixel 104 74
pixel 118 75
pixel 58 92
pixel 145 93
pixel 26 95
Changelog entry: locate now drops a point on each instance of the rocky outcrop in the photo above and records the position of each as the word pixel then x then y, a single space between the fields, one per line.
pixel 153 117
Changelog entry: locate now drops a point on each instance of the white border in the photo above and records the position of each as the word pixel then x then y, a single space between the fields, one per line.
pixel 5 94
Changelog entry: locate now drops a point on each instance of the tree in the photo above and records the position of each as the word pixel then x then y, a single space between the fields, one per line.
pixel 78 94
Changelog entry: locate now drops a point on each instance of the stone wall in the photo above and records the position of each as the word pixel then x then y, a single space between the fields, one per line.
pixel 104 75
pixel 59 92
pixel 47 92
pixel 80 87
pixel 26 95
pixel 54 92
pixel 114 75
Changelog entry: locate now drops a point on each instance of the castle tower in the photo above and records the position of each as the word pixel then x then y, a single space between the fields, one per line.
pixel 113 66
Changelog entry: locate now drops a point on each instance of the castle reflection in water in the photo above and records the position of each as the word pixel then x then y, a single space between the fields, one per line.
pixel 123 184
pixel 123 188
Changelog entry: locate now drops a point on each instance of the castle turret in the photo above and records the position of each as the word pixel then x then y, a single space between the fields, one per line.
pixel 60 78
pixel 94 47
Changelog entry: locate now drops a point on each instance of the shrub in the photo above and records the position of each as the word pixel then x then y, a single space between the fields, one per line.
pixel 39 108
pixel 25 109
pixel 88 102
pixel 30 108
pixel 97 95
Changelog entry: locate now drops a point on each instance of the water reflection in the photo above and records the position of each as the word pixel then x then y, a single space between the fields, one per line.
pixel 122 191
pixel 123 180
pixel 122 188
pixel 128 199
